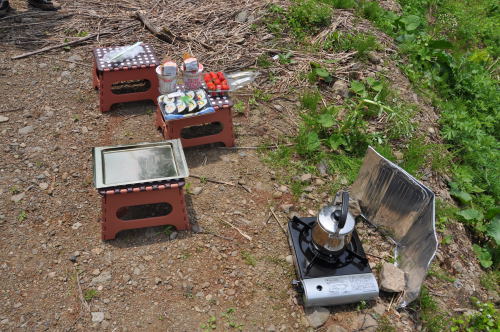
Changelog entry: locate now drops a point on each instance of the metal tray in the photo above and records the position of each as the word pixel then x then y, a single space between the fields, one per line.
pixel 138 163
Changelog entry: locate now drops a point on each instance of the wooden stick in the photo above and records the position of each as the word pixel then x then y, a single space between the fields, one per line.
pixel 218 235
pixel 248 237
pixel 48 48
pixel 277 220
pixel 164 35
pixel 211 180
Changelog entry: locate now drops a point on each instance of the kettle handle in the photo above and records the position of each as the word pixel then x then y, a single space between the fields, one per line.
pixel 345 209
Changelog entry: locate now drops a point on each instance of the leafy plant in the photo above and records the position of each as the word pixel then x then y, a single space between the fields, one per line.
pixel 90 294
pixel 22 215
pixel 239 107
pixel 248 258
pixel 486 319
pixel 211 324
pixel 306 17
pixel 361 43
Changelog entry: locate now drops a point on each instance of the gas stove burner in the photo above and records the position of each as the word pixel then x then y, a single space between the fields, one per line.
pixel 330 278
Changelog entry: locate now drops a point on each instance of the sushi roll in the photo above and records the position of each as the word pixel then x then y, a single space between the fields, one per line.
pixel 181 106
pixel 170 108
pixel 192 106
pixel 190 94
pixel 202 103
pixel 168 100
pixel 201 94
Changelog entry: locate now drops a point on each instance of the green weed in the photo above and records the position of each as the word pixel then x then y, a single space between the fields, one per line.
pixel 384 325
pixel 89 294
pixel 486 319
pixel 361 43
pixel 434 318
pixel 248 258
pixel 239 107
pixel 306 17
pixel 22 216
pixel 211 324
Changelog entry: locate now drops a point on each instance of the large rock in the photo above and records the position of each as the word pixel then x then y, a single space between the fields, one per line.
pixel 336 328
pixel 392 279
pixel 3 119
pixel 317 316
pixel 102 278
pixel 26 130
pixel 97 317
pixel 341 88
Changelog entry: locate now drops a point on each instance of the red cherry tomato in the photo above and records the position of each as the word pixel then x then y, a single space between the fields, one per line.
pixel 207 78
pixel 213 75
pixel 220 75
pixel 225 87
pixel 217 81
pixel 211 86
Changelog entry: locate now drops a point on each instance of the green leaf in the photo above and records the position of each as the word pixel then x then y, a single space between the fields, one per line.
pixel 335 141
pixel 358 87
pixel 322 72
pixel 483 255
pixel 493 229
pixel 312 142
pixel 411 22
pixel 462 196
pixel 471 214
pixel 493 212
pixel 326 120
pixel 441 44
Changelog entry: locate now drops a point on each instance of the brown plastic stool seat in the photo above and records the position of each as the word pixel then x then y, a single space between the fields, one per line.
pixel 141 67
pixel 172 129
pixel 116 201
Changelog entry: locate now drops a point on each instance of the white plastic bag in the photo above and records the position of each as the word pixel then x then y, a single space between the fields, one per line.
pixel 240 79
pixel 123 53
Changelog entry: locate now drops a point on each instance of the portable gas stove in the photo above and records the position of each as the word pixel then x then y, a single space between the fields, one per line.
pixel 326 277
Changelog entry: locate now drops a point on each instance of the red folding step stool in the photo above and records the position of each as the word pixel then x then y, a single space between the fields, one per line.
pixel 171 129
pixel 114 201
pixel 141 67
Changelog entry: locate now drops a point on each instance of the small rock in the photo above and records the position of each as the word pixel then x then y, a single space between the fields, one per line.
pixel 157 281
pixel 3 119
pixel 392 279
pixel 366 323
pixel 76 225
pixel 43 185
pixel 51 274
pixel 242 16
pixel 289 259
pixel 271 328
pixel 230 292
pixel 137 271
pixel 374 58
pixel 341 88
pixel 147 258
pixel 379 309
pixel 319 182
pixel 431 130
pixel 399 155
pixel 286 207
pixel 317 316
pixel 196 228
pixel 17 198
pixel 25 130
pixel 457 266
pixel 126 278
pixel 18 305
pixel 306 177
pixel 196 190
pixel 173 236
pixel 96 272
pixel 65 74
pixel 97 317
pixel 336 328
pixel 97 251
pixel 277 194
pixel 75 57
pixel 283 188
pixel 102 278
pixel 73 258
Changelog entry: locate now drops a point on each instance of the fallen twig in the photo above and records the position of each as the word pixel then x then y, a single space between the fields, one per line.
pixel 211 180
pixel 164 35
pixel 48 48
pixel 85 305
pixel 277 220
pixel 246 236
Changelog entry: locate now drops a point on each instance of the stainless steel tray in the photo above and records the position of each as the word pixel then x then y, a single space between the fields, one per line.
pixel 138 163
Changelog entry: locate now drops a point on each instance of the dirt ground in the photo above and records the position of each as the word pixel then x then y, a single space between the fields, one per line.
pixel 51 253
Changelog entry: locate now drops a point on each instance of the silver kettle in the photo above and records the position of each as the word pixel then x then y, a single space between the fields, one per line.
pixel 333 228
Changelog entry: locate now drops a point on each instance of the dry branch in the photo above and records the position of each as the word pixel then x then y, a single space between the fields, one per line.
pixel 164 35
